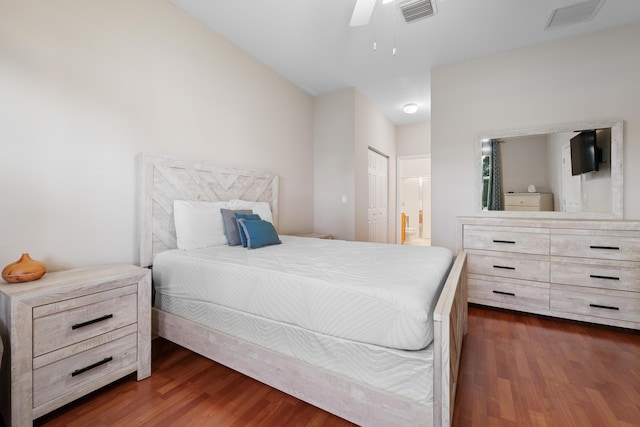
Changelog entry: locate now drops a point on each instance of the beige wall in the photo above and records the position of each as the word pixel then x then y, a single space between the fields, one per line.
pixel 346 125
pixel 525 162
pixel 592 77
pixel 373 130
pixel 334 164
pixel 87 86
pixel 414 140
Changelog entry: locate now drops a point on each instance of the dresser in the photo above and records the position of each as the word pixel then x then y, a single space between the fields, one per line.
pixel 586 270
pixel 70 333
pixel 528 202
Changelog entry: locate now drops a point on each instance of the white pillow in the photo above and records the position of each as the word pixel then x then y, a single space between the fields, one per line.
pixel 198 224
pixel 261 208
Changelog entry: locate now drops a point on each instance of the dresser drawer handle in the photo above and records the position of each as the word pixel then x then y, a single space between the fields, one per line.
pixel 95 365
pixel 91 322
pixel 608 307
pixel 596 276
pixel 611 248
pixel 504 267
pixel 511 242
pixel 511 294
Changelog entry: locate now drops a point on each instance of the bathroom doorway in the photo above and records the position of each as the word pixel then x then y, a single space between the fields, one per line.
pixel 414 200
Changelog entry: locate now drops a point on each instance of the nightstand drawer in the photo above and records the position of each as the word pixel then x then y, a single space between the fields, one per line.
pixel 623 306
pixel 506 239
pixel 508 266
pixel 66 375
pixel 71 321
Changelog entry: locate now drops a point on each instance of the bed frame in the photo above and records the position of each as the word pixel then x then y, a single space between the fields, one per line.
pixel 164 180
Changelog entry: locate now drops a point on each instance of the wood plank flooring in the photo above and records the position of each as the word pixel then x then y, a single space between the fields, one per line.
pixel 526 370
pixel 517 370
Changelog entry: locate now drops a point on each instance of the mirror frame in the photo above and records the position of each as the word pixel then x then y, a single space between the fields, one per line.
pixel 617 130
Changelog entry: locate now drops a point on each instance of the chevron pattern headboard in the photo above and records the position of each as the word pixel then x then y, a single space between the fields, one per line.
pixel 164 180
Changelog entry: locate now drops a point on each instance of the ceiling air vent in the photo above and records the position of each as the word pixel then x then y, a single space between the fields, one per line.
pixel 573 14
pixel 414 10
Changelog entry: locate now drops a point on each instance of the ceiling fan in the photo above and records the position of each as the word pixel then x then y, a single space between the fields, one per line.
pixel 412 10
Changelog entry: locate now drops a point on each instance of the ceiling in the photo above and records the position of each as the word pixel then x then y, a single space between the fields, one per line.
pixel 310 42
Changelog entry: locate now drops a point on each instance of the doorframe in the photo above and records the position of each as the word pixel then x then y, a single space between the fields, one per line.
pixel 399 159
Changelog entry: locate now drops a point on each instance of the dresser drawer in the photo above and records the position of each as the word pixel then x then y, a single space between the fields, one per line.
pixel 66 375
pixel 71 321
pixel 506 239
pixel 616 277
pixel 624 306
pixel 525 268
pixel 507 291
pixel 596 246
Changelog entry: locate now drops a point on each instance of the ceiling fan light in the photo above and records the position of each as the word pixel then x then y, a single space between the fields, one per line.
pixel 410 108
pixel 386 1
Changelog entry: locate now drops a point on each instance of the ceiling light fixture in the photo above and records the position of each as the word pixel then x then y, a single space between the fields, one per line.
pixel 410 108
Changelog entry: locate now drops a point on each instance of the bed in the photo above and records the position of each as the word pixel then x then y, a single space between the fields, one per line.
pixel 397 368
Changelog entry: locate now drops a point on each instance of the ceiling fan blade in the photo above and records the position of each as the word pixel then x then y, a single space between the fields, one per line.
pixel 362 12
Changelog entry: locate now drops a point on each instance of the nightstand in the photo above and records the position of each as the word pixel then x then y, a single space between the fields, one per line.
pixel 70 333
pixel 317 235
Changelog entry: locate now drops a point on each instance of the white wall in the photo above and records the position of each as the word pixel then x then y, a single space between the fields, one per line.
pixel 592 77
pixel 87 86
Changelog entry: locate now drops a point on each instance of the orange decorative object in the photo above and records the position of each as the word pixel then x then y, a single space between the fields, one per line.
pixel 23 270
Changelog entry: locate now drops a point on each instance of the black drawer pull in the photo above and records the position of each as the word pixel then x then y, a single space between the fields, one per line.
pixel 91 322
pixel 511 242
pixel 504 267
pixel 611 248
pixel 95 365
pixel 596 276
pixel 511 294
pixel 608 307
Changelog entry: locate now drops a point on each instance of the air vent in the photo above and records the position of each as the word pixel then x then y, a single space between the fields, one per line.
pixel 574 14
pixel 415 10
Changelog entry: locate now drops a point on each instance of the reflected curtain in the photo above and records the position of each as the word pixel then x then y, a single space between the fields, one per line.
pixel 494 196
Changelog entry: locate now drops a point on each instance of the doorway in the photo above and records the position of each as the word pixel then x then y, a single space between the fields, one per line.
pixel 414 200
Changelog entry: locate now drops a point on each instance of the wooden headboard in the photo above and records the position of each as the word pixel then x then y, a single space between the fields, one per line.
pixel 164 180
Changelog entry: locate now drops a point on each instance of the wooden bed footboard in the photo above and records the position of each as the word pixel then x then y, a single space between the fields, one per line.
pixel 341 396
pixel 450 323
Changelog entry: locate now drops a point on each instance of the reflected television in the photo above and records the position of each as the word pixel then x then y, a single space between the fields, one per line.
pixel 585 154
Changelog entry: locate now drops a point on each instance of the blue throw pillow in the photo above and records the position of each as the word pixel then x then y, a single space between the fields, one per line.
pixel 230 224
pixel 243 236
pixel 259 233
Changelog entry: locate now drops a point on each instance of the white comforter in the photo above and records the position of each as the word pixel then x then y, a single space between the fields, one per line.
pixel 380 294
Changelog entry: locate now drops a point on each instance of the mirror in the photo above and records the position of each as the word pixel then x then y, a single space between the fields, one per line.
pixel 569 171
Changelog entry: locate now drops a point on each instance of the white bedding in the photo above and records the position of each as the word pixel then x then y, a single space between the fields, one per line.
pixel 379 294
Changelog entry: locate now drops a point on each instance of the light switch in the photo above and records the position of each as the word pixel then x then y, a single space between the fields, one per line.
pixel 344 199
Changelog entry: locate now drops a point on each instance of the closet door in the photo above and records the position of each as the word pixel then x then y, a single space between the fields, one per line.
pixel 378 197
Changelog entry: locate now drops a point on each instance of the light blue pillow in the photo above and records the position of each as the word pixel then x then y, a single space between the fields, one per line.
pixel 243 236
pixel 259 233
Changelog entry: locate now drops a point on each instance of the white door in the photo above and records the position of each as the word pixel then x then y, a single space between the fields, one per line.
pixel 571 185
pixel 378 195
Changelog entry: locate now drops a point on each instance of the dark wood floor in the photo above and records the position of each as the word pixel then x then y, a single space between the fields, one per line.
pixel 517 370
